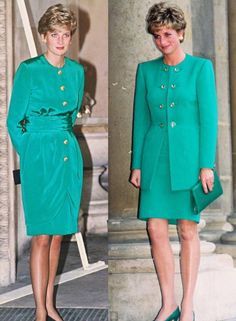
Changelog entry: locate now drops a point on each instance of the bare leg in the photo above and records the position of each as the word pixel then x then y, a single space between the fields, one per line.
pixel 164 264
pixel 39 260
pixel 189 263
pixel 55 249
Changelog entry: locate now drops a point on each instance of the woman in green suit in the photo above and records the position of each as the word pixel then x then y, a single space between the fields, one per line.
pixel 45 100
pixel 174 144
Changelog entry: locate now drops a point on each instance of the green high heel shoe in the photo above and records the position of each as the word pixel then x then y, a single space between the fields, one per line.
pixel 174 316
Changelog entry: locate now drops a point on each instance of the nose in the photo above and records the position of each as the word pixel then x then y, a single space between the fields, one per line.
pixel 60 40
pixel 162 41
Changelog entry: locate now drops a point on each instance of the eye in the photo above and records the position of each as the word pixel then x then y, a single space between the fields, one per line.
pixel 67 35
pixel 156 36
pixel 54 34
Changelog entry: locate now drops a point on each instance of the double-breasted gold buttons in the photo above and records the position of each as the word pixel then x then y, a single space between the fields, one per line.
pixel 66 159
pixel 173 124
pixel 161 125
pixel 62 88
pixel 172 105
pixel 163 86
pixel 65 141
pixel 64 103
pixel 161 106
pixel 173 86
pixel 59 72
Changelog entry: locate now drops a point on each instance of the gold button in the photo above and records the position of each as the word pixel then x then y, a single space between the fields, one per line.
pixel 166 69
pixel 163 86
pixel 59 72
pixel 65 141
pixel 65 159
pixel 176 69
pixel 172 105
pixel 64 103
pixel 62 88
pixel 173 86
pixel 161 125
pixel 173 124
pixel 161 106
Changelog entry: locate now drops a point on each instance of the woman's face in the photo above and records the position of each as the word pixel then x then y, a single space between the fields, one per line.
pixel 58 40
pixel 167 40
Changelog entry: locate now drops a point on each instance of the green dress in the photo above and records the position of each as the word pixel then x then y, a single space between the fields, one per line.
pixel 174 134
pixel 44 103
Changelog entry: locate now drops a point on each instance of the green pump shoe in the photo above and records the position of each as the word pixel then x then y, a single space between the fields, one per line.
pixel 174 316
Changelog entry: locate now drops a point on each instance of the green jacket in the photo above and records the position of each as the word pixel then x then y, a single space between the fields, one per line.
pixel 179 101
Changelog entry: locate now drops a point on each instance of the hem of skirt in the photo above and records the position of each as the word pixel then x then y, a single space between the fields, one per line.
pixel 31 232
pixel 171 220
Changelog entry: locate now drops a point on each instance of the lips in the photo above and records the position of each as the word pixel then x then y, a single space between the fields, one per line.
pixel 59 48
pixel 166 47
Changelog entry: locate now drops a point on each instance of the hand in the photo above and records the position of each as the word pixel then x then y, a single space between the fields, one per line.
pixel 135 177
pixel 207 178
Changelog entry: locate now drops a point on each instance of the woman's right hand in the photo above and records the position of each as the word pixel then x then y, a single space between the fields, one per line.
pixel 135 177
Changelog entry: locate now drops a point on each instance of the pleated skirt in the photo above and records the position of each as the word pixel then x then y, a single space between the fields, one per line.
pixel 160 201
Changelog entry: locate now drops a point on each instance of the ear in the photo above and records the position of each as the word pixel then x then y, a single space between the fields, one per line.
pixel 181 35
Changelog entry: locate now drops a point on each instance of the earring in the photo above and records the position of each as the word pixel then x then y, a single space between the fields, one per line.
pixel 181 38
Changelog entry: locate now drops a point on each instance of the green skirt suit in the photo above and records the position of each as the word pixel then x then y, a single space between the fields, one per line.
pixel 44 103
pixel 174 134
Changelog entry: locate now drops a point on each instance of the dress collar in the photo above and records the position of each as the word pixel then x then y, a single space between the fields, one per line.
pixel 175 68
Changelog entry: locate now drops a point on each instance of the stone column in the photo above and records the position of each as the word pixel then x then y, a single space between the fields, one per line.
pixel 7 195
pixel 133 288
pixel 214 45
pixel 229 239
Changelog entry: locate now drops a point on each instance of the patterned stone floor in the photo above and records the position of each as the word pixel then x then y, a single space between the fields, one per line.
pixel 27 314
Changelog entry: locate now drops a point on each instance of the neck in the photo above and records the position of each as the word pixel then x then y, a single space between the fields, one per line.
pixel 174 58
pixel 57 61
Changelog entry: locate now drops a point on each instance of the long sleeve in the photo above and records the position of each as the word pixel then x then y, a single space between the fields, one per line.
pixel 141 119
pixel 18 105
pixel 207 102
pixel 80 95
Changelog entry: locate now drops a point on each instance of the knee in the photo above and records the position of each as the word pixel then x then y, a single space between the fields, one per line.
pixel 187 233
pixel 156 232
pixel 42 241
pixel 56 239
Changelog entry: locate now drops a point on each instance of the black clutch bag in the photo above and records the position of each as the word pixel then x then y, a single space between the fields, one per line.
pixel 202 199
pixel 16 176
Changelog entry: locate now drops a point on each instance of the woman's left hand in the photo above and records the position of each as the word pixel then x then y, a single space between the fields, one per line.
pixel 207 178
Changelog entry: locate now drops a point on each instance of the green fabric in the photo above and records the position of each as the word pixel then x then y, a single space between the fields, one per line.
pixel 160 201
pixel 40 120
pixel 186 92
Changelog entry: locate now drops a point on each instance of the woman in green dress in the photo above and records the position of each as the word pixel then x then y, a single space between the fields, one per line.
pixel 174 144
pixel 46 98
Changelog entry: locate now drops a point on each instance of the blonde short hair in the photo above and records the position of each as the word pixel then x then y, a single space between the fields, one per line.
pixel 57 15
pixel 164 14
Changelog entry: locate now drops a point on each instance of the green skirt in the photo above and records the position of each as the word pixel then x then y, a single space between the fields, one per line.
pixel 160 201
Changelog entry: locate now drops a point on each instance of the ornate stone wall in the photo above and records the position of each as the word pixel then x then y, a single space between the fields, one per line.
pixel 7 221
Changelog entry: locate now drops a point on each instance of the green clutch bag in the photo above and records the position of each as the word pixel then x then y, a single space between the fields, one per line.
pixel 202 199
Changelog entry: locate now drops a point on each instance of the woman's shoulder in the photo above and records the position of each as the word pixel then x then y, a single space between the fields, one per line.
pixel 199 60
pixel 151 63
pixel 29 62
pixel 74 64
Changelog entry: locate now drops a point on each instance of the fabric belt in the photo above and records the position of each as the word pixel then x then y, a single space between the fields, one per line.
pixel 47 123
